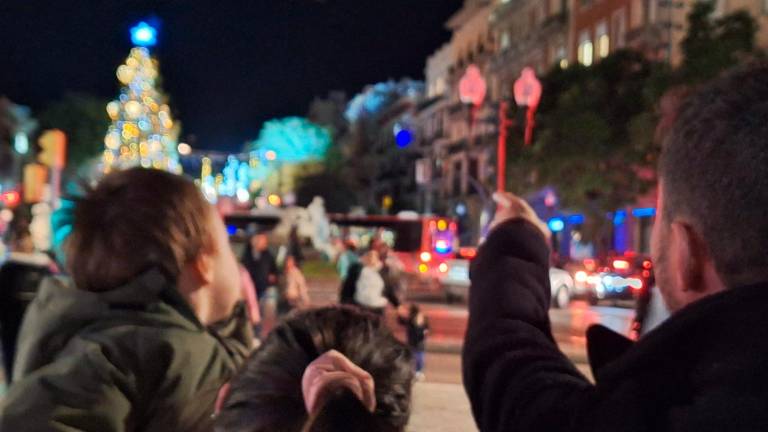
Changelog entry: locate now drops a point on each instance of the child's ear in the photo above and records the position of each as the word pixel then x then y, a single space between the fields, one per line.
pixel 203 267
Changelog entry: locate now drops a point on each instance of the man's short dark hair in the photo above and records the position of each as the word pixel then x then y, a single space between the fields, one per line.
pixel 714 170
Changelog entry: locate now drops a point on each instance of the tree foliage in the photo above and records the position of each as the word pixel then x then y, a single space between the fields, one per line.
pixel 83 118
pixel 715 44
pixel 293 139
pixel 596 139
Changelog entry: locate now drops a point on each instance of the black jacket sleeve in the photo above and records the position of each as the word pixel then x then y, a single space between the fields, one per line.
pixel 514 374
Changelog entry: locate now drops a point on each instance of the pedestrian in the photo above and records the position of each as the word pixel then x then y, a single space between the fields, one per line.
pixel 370 287
pixel 295 293
pixel 294 245
pixel 392 272
pixel 703 369
pixel 324 370
pixel 149 326
pixel 260 263
pixel 417 328
pixel 347 258
pixel 20 277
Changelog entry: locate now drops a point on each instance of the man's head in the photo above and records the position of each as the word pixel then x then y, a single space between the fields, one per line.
pixel 138 219
pixel 259 242
pixel 712 230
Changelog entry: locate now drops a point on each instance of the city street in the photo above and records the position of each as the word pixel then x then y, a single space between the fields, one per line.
pixel 442 387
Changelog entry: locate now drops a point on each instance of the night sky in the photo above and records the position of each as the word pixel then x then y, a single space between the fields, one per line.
pixel 227 65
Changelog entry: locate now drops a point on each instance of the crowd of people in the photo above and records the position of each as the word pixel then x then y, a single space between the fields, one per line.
pixel 151 329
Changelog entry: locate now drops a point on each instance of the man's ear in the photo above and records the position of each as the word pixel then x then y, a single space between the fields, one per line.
pixel 692 256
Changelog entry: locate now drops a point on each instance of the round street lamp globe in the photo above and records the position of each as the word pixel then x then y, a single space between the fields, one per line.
pixel 404 138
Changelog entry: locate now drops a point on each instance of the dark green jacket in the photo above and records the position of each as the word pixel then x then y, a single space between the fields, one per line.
pixel 131 359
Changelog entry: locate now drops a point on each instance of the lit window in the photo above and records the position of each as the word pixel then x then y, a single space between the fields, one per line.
pixel 505 40
pixel 586 49
pixel 603 40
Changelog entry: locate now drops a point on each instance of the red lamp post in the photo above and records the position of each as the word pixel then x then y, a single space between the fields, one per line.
pixel 528 91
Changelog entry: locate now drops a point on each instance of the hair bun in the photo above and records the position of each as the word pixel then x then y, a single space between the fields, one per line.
pixel 332 371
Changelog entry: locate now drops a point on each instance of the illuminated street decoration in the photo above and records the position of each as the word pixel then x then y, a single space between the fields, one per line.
pixel 528 92
pixel 142 132
pixel 292 140
pixel 472 87
pixel 377 98
pixel 144 35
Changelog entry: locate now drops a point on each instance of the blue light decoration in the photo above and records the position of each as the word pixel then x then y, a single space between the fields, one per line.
pixel 556 224
pixel 144 35
pixel 403 138
pixel 644 212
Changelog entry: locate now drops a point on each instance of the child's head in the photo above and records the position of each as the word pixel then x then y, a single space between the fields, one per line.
pixel 290 262
pixel 138 219
pixel 268 395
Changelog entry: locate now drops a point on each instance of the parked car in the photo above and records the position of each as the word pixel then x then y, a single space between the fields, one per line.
pixel 456 283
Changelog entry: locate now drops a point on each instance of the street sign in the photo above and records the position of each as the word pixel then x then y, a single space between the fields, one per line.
pixel 423 171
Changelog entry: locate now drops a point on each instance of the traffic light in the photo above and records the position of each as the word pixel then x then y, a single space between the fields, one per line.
pixel 53 144
pixel 35 179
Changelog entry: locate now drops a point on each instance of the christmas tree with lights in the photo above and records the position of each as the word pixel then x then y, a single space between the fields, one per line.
pixel 142 132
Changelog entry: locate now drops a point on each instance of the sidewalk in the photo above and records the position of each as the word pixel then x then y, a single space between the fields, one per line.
pixel 440 407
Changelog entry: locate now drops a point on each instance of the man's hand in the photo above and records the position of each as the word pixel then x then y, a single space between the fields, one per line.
pixel 510 206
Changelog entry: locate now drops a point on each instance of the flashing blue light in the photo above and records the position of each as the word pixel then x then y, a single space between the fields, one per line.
pixel 404 138
pixel 644 212
pixel 556 224
pixel 144 35
pixel 619 217
pixel 231 230
pixel 576 219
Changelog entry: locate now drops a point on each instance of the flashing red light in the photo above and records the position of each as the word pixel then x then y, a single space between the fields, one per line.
pixel 621 265
pixel 468 252
pixel 647 264
pixel 10 198
pixel 590 264
pixel 630 253
pixel 646 273
pixel 453 226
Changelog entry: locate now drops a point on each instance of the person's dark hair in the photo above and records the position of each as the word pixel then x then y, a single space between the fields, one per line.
pixel 266 395
pixel 714 170
pixel 413 311
pixel 134 220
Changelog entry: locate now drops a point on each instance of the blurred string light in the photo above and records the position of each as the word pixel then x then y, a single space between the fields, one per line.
pixel 142 132
pixel 184 149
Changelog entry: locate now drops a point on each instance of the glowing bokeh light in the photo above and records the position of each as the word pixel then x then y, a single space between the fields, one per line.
pixel 144 35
